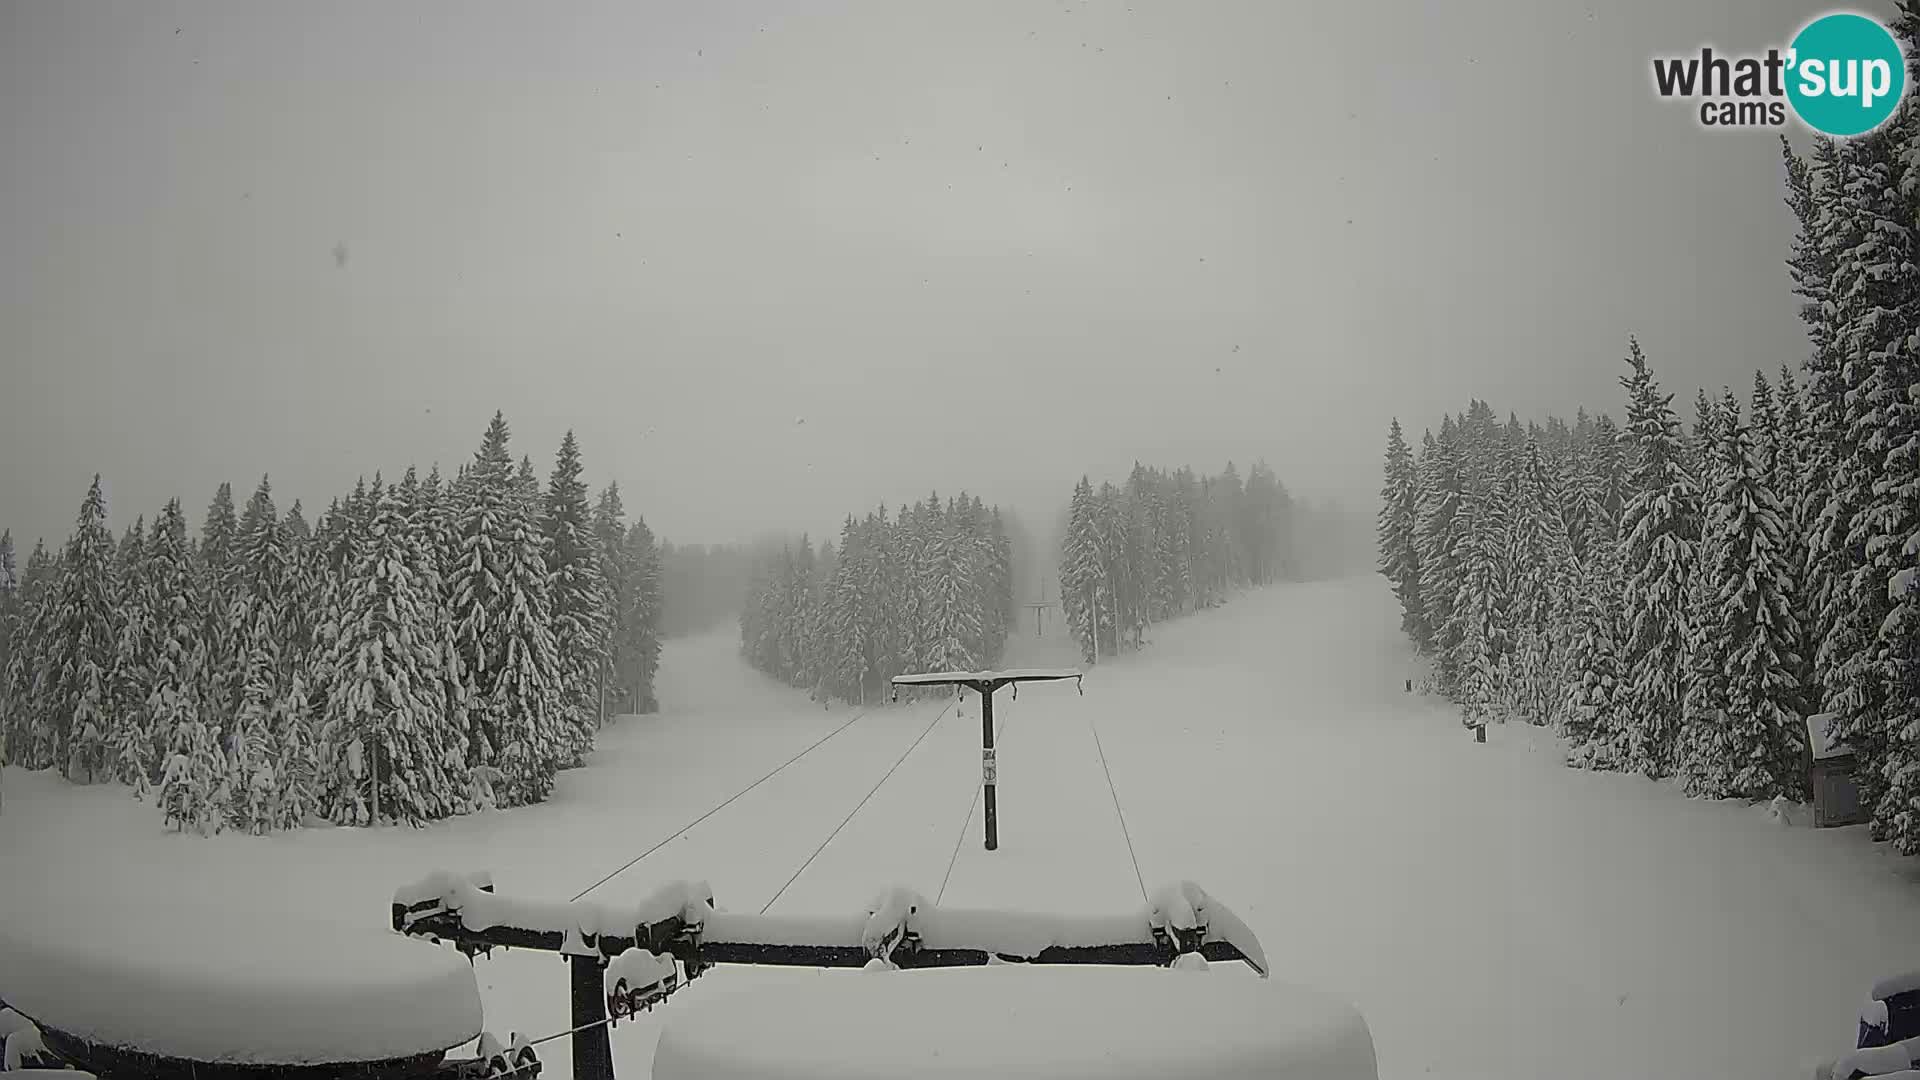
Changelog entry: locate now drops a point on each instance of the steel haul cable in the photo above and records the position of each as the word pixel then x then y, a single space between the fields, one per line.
pixel 1121 814
pixel 684 829
pixel 843 822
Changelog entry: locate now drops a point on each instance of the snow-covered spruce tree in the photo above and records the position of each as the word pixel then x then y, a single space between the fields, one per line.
pixel 999 556
pixel 1399 555
pixel 219 573
pixel 9 617
pixel 1571 484
pixel 330 556
pixel 1538 555
pixel 77 630
pixel 19 701
pixel 251 747
pixel 1080 577
pixel 300 777
pixel 1610 476
pixel 194 792
pixel 1756 752
pixel 1171 539
pixel 1876 277
pixel 259 627
pixel 581 628
pixel 1813 195
pixel 1660 527
pixel 1596 726
pixel 1698 440
pixel 610 534
pixel 433 516
pixel 638 656
pixel 753 622
pixel 1480 539
pixel 1436 526
pixel 1790 478
pixel 1137 545
pixel 9 611
pixel 297 527
pixel 131 745
pixel 293 752
pixel 953 610
pixel 385 723
pixel 187 766
pixel 844 658
pixel 1895 513
pixel 1704 692
pixel 127 553
pixel 501 615
pixel 796 647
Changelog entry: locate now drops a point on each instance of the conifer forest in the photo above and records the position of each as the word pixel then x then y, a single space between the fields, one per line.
pixel 1679 596
pixel 424 647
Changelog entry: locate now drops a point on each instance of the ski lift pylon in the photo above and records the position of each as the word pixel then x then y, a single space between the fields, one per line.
pixel 985 683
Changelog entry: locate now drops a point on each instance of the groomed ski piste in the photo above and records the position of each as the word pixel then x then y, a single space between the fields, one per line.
pixel 1490 913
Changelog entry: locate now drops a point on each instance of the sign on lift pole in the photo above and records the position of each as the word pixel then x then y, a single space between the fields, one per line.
pixel 985 683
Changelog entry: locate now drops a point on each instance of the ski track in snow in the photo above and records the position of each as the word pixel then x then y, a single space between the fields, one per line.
pixel 1492 913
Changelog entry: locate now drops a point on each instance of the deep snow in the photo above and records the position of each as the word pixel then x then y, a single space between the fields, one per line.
pixel 1060 1023
pixel 1490 913
pixel 235 983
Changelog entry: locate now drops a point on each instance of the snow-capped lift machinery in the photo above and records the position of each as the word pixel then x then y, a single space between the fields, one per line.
pixel 625 959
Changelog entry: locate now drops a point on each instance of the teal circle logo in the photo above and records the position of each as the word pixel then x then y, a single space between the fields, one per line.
pixel 1845 74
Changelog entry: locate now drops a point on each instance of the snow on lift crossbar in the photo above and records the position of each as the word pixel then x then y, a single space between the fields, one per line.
pixel 985 683
pixel 626 958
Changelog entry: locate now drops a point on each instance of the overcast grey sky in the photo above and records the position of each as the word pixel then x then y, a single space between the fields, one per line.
pixel 990 245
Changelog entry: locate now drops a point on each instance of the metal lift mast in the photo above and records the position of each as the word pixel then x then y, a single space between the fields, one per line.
pixel 985 683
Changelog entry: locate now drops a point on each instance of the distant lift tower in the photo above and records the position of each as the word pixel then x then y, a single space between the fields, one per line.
pixel 1039 608
pixel 985 683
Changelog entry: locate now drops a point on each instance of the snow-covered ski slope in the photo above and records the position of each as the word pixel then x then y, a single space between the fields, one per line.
pixel 1492 914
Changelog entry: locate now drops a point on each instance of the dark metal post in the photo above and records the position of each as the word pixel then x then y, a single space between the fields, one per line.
pixel 592 1048
pixel 987 764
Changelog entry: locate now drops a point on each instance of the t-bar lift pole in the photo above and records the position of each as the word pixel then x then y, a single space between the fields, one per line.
pixel 985 683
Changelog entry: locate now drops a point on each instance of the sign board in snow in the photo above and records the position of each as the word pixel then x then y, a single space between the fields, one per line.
pixel 986 765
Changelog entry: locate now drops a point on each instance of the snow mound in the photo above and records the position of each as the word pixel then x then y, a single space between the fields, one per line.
pixel 1878 1060
pixel 1015 1021
pixel 481 909
pixel 233 985
pixel 1894 985
pixel 23 1048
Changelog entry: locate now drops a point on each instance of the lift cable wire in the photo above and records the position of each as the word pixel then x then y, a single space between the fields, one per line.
pixel 690 825
pixel 863 802
pixel 1121 814
pixel 968 820
pixel 534 1066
